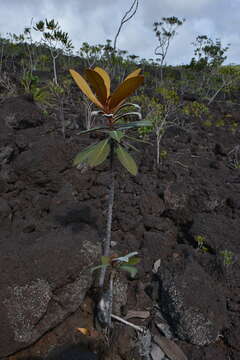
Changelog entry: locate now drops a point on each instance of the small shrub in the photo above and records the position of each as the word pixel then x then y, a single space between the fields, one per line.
pixel 227 257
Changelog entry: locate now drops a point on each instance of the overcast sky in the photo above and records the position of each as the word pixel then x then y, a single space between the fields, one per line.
pixel 94 21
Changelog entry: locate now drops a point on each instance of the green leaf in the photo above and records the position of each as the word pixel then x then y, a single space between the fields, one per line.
pixel 131 146
pixel 105 260
pixel 83 155
pixel 134 261
pixel 99 153
pixel 93 129
pixel 116 135
pixel 98 267
pixel 138 140
pixel 134 124
pixel 129 268
pixel 126 160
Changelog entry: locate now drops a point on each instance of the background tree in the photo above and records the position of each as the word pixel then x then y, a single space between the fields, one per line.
pixel 205 67
pixel 165 30
pixel 208 53
pixel 56 39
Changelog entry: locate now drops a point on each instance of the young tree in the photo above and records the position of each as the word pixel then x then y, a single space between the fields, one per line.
pixel 206 67
pixel 208 53
pixel 228 79
pixel 56 39
pixel 165 30
pixel 91 53
pixel 114 144
pixel 58 96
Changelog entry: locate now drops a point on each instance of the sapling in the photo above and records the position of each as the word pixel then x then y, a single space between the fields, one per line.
pixel 58 95
pixel 114 144
pixel 206 67
pixel 163 115
pixel 56 39
pixel 165 31
pixel 228 257
pixel 91 54
pixel 116 264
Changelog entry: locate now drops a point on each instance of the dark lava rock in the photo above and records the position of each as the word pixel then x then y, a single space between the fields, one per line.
pixel 20 113
pixel 42 282
pixel 5 212
pixel 151 204
pixel 219 231
pixel 71 352
pixel 219 150
pixel 6 153
pixel 195 309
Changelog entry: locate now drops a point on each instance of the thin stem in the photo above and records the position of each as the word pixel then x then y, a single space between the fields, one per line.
pixel 107 243
pixel 158 150
pixel 136 327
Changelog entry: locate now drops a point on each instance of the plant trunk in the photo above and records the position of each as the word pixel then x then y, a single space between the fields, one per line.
pixel 1 60
pixel 107 242
pixel 158 151
pixel 61 117
pixel 218 91
pixel 54 69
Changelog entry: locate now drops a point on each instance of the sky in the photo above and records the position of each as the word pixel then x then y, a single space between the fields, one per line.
pixel 94 21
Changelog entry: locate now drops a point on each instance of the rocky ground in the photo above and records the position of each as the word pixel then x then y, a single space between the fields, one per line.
pixel 53 217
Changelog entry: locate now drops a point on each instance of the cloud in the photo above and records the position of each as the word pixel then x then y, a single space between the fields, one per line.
pixel 94 21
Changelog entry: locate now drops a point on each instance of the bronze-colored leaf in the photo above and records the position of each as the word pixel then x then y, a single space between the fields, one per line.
pixel 98 84
pixel 83 85
pixel 105 77
pixel 125 89
pixel 84 331
pixel 133 74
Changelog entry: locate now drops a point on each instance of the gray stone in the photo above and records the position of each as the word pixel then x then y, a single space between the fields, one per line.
pixel 5 154
pixel 42 283
pixel 194 308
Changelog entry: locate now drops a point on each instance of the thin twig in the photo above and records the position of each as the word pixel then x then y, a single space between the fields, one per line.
pixel 136 327
pixel 125 18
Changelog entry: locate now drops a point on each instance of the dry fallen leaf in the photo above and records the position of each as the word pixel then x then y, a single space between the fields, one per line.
pixel 137 314
pixel 156 266
pixel 170 348
pixel 84 331
pixel 88 332
pixel 157 353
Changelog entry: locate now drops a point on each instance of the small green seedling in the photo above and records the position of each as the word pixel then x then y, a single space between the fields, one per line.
pixel 228 257
pixel 201 242
pixel 163 154
pixel 219 123
pixel 125 263
pixel 115 264
pixel 207 123
pixel 234 127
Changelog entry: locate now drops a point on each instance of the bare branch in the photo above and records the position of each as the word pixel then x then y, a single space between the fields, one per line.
pixel 127 16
